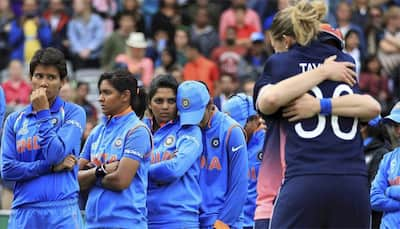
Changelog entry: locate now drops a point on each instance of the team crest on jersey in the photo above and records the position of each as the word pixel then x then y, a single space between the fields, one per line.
pixel 169 141
pixel 215 142
pixel 260 156
pixel 54 121
pixel 24 130
pixel 185 103
pixel 118 142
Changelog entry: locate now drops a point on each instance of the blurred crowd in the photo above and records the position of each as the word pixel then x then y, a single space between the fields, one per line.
pixel 224 43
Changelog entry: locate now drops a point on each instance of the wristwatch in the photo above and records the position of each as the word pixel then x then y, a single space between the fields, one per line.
pixel 100 171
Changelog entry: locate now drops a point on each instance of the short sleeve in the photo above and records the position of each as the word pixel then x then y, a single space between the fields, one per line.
pixel 137 144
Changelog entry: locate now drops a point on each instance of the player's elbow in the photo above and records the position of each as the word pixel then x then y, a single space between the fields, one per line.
pixel 373 109
pixel 116 183
pixel 121 185
pixel 6 172
pixel 377 203
pixel 267 103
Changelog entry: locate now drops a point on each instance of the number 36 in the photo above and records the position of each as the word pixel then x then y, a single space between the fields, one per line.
pixel 334 120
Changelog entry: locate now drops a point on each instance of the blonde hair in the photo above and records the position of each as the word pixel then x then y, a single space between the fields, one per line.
pixel 301 21
pixel 393 11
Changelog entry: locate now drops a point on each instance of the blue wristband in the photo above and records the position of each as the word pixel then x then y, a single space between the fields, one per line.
pixel 326 106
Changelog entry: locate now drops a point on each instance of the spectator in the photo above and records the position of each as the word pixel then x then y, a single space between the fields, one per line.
pixel 6 17
pixel 66 92
pixel 360 13
pixel 259 6
pixel 343 22
pixel 226 88
pixel 389 46
pixel 149 8
pixel 374 83
pixel 58 19
pixel 134 59
pixel 213 9
pixel 203 33
pixel 82 91
pixel 200 68
pixel 253 62
pixel 28 33
pixel 273 7
pixel 181 41
pixel 168 18
pixel 116 43
pixel 132 7
pixel 352 47
pixel 86 35
pixel 168 62
pixel 229 54
pixel 176 72
pixel 374 32
pixel 106 9
pixel 157 46
pixel 248 86
pixel 228 19
pixel 243 30
pixel 16 89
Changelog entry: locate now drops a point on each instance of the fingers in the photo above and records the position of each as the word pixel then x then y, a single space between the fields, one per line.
pixel 289 112
pixel 350 77
pixel 72 158
pixel 294 118
pixel 349 64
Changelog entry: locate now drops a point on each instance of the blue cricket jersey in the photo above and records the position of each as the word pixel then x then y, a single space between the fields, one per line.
pixel 321 144
pixel 2 108
pixel 255 153
pixel 223 176
pixel 174 194
pixel 117 137
pixel 33 142
pixel 385 190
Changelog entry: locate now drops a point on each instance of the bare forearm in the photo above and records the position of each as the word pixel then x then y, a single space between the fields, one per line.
pixel 86 178
pixel 394 41
pixel 359 106
pixel 278 95
pixel 113 182
pixel 388 47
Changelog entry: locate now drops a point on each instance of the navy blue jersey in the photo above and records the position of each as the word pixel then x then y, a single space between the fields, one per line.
pixel 321 144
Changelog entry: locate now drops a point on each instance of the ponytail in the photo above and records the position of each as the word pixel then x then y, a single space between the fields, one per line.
pixel 139 102
pixel 301 21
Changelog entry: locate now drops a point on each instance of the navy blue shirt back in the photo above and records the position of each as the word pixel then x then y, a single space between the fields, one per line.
pixel 321 144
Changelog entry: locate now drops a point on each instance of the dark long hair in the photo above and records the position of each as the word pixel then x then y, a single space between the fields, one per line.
pixel 122 80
